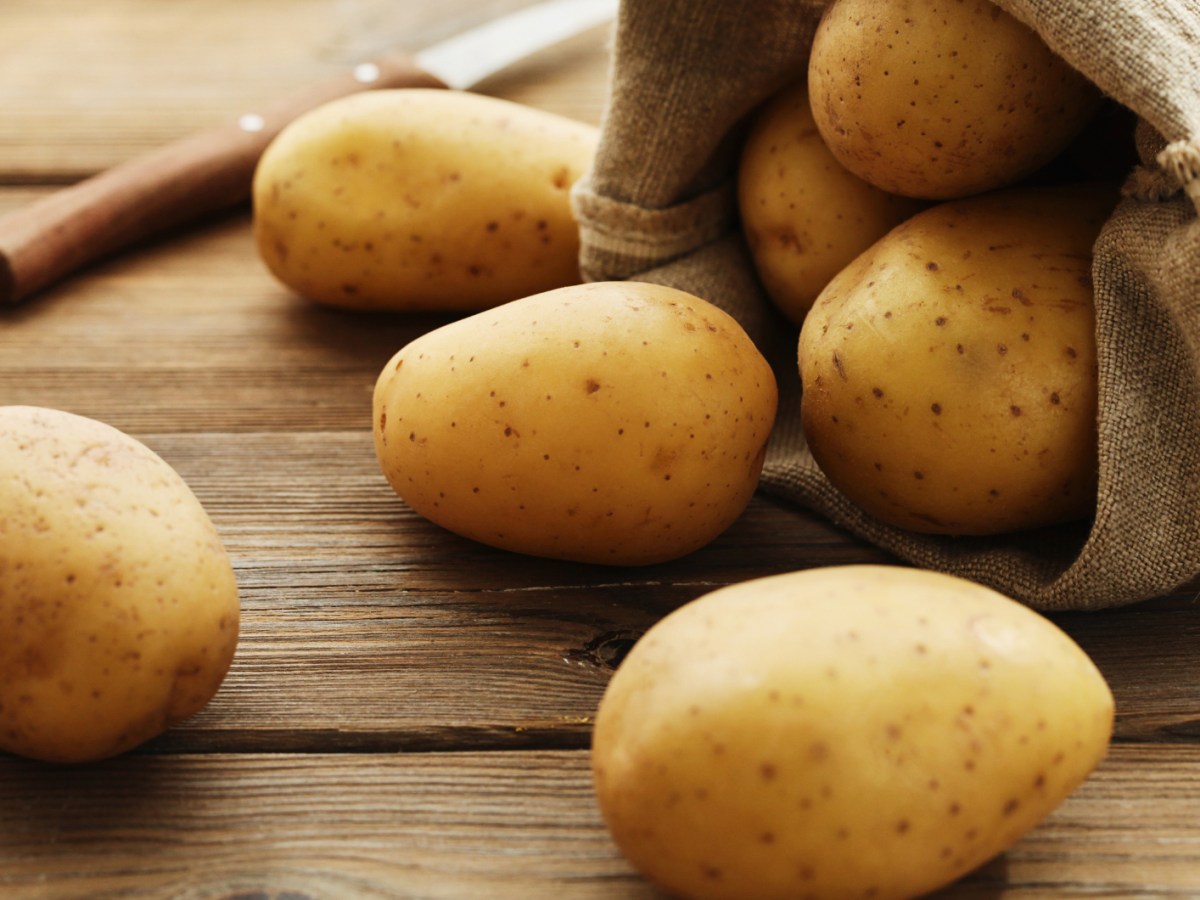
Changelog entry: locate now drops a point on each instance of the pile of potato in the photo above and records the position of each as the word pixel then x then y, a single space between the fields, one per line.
pixel 872 731
pixel 947 348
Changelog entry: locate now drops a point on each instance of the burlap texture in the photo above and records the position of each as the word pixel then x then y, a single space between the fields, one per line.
pixel 659 205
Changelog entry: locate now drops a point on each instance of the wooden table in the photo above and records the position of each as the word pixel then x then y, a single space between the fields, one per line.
pixel 408 714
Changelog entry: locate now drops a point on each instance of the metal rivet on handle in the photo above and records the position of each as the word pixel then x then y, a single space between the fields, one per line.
pixel 366 73
pixel 251 122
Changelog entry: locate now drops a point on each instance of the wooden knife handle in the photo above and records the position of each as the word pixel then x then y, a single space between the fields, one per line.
pixel 165 188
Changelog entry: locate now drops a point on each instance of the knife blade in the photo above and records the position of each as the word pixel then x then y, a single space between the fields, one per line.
pixel 212 171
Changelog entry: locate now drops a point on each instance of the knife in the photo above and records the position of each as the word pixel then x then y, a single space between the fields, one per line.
pixel 212 170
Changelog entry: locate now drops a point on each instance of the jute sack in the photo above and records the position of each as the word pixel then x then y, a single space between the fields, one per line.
pixel 659 205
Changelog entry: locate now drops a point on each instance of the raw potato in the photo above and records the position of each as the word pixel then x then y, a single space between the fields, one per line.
pixel 805 217
pixel 620 423
pixel 859 731
pixel 949 373
pixel 118 605
pixel 421 199
pixel 941 98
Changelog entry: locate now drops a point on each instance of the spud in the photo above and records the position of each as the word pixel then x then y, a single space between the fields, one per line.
pixel 803 214
pixel 859 731
pixel 619 423
pixel 118 604
pixel 949 373
pixel 940 99
pixel 421 199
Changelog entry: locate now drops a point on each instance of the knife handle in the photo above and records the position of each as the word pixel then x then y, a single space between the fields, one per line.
pixel 165 188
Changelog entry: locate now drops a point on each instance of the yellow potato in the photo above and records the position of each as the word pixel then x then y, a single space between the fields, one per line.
pixel 118 605
pixel 949 373
pixel 858 731
pixel 421 199
pixel 941 99
pixel 619 423
pixel 805 217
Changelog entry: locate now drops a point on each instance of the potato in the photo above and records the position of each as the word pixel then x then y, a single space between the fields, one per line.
pixel 620 423
pixel 118 605
pixel 949 373
pixel 421 199
pixel 856 731
pixel 805 217
pixel 941 99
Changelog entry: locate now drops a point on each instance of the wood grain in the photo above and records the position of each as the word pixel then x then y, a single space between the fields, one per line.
pixel 428 825
pixel 86 86
pixel 496 824
pixel 409 713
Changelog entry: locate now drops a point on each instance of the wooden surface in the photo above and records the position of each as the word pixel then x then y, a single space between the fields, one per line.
pixel 408 714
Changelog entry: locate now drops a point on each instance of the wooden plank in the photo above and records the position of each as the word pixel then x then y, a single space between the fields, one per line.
pixel 515 825
pixel 208 337
pixel 366 626
pixel 86 85
pixel 1129 831
pixel 520 824
pixel 1147 651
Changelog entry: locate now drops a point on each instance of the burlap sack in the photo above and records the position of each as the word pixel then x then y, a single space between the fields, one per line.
pixel 660 205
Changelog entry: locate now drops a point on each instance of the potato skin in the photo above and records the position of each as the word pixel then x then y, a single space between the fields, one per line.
pixel 941 98
pixel 118 604
pixel 421 199
pixel 805 217
pixel 857 731
pixel 618 423
pixel 949 373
